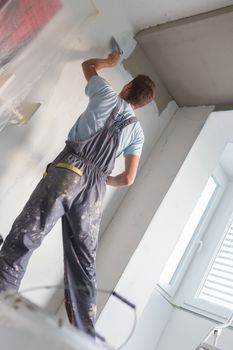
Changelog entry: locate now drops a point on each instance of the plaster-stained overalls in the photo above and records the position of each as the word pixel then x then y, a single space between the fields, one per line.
pixel 75 194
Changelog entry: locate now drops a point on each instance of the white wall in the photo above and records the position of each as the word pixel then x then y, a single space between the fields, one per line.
pixel 151 324
pixel 164 231
pixel 26 150
pixel 141 223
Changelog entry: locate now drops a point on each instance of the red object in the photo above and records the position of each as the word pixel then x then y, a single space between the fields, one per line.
pixel 20 20
pixel 3 2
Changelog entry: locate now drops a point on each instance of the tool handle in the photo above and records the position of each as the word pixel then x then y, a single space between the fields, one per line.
pixel 133 306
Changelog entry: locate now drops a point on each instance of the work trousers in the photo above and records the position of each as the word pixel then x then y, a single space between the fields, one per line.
pixel 77 200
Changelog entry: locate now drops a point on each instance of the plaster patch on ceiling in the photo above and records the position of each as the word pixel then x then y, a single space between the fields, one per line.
pixel 193 57
pixel 144 14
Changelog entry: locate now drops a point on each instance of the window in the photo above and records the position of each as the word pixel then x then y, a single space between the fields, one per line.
pixel 218 285
pixel 189 239
pixel 207 287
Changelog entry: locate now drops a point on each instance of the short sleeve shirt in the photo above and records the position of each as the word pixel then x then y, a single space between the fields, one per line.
pixel 102 100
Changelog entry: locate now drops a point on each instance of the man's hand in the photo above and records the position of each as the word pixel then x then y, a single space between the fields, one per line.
pixel 113 58
pixel 128 176
pixel 91 66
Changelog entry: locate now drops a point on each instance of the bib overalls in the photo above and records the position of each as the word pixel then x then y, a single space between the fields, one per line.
pixel 73 189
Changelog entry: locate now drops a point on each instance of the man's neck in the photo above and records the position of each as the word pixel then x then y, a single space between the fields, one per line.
pixel 131 105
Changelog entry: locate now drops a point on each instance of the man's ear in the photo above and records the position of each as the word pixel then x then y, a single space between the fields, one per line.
pixel 129 85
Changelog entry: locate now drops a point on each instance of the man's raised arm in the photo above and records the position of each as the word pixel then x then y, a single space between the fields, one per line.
pixel 91 66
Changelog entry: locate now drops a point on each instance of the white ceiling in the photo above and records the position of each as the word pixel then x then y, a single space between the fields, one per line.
pixel 146 13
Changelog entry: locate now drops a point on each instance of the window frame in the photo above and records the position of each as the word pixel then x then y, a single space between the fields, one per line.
pixel 188 293
pixel 196 241
pixel 205 305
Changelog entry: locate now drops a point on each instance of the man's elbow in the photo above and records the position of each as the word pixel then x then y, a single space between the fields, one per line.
pixel 129 180
pixel 84 65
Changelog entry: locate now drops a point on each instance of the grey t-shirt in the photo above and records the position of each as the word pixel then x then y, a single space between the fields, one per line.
pixel 102 100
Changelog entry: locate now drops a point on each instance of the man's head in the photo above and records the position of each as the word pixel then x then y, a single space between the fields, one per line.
pixel 139 91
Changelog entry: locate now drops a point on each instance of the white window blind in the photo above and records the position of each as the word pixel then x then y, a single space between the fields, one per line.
pixel 218 285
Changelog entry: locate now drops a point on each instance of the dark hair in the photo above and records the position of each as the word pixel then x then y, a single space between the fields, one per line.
pixel 142 91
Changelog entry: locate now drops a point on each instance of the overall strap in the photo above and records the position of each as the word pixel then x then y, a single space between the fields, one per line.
pixel 114 113
pixel 118 126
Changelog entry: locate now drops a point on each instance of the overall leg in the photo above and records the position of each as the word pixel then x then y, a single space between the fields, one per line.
pixel 45 206
pixel 80 239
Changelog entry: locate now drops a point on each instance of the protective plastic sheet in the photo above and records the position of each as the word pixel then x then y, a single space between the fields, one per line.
pixel 20 20
pixel 34 39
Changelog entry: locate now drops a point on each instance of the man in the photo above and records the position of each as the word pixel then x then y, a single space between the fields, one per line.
pixel 74 187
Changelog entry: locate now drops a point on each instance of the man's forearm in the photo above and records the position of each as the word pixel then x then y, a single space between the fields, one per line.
pixel 121 180
pixel 128 176
pixel 98 63
pixel 92 65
